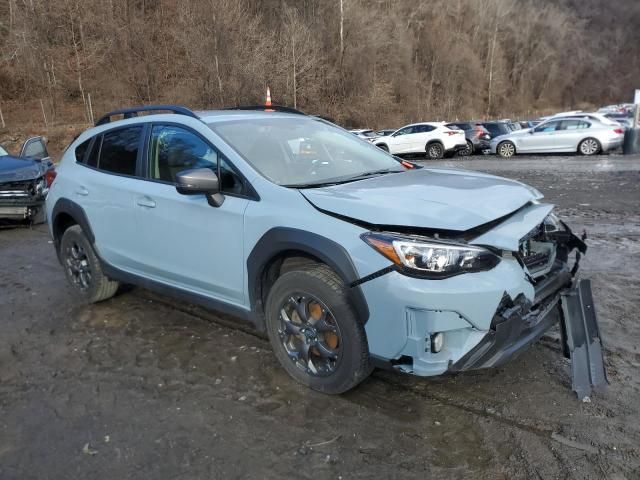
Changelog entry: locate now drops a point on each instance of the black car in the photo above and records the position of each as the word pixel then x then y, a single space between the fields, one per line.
pixel 477 137
pixel 24 182
pixel 497 128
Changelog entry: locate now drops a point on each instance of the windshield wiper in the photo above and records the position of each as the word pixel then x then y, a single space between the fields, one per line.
pixel 328 183
pixel 311 185
pixel 373 173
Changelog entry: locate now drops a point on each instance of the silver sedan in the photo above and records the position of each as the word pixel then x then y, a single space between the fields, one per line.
pixel 561 135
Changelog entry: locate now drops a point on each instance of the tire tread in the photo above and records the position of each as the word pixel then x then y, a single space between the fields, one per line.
pixel 329 278
pixel 104 288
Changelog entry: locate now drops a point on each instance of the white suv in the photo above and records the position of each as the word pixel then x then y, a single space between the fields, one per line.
pixel 433 139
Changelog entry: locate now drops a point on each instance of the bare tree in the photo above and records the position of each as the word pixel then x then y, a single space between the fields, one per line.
pixel 380 62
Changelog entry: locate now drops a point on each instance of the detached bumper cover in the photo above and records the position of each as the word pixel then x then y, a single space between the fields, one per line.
pixel 581 338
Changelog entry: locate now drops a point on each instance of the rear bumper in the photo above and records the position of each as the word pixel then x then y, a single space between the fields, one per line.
pixel 613 144
pixel 480 145
pixel 457 148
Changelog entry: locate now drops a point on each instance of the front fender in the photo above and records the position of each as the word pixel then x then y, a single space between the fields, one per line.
pixel 282 239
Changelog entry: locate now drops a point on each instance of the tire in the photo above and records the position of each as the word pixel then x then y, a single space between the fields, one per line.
pixel 320 294
pixel 467 151
pixel 383 146
pixel 589 146
pixel 506 149
pixel 82 267
pixel 435 150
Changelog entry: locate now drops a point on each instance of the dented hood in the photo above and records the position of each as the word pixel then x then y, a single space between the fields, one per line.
pixel 13 169
pixel 443 199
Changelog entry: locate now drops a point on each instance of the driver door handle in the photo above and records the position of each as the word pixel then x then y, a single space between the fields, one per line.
pixel 146 202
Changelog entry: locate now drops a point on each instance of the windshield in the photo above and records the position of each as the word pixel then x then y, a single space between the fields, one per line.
pixel 304 152
pixel 3 152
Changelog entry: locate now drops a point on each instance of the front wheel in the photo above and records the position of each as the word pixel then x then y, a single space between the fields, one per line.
pixel 314 331
pixel 589 146
pixel 506 149
pixel 435 151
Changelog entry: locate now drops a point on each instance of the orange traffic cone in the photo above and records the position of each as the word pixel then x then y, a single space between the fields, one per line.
pixel 267 103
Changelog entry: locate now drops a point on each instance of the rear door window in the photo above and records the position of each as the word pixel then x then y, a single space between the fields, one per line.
pixel 119 151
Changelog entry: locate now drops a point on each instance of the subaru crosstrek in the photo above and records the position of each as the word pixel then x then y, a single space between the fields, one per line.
pixel 346 256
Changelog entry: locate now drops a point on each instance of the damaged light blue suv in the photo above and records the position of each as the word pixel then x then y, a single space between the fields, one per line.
pixel 347 257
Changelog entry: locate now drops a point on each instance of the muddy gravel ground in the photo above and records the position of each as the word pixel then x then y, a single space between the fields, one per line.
pixel 141 386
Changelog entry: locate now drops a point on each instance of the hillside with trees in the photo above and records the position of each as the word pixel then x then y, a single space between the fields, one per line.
pixel 361 62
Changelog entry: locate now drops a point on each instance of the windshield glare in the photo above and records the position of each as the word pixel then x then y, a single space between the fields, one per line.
pixel 303 151
pixel 3 152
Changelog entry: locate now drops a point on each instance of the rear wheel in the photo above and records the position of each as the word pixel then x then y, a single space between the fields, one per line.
pixel 467 151
pixel 82 267
pixel 589 146
pixel 506 149
pixel 315 332
pixel 435 150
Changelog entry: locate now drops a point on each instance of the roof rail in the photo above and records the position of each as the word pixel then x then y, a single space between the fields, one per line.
pixel 133 112
pixel 270 108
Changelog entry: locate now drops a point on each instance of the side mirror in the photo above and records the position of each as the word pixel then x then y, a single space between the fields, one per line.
pixel 200 181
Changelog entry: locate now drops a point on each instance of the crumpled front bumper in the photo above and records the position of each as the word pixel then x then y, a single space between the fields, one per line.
pixel 518 324
pixel 21 201
pixel 31 209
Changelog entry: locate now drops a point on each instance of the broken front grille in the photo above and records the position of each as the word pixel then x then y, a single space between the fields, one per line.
pixel 536 252
pixel 23 189
pixel 536 260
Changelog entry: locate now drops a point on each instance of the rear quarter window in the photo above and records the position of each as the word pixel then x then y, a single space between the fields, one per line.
pixel 81 150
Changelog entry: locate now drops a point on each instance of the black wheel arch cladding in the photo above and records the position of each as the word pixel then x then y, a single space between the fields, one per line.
pixel 76 212
pixel 282 239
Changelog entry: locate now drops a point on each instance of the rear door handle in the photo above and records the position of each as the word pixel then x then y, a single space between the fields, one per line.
pixel 146 202
pixel 82 191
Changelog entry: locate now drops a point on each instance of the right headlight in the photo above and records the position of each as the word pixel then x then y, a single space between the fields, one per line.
pixel 431 258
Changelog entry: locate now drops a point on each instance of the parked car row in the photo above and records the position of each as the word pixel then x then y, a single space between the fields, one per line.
pixel 587 133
